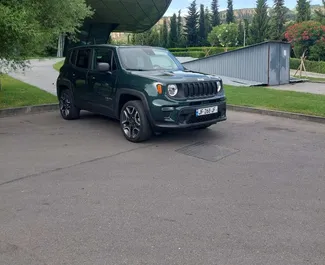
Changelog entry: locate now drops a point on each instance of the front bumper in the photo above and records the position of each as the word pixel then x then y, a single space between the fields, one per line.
pixel 182 117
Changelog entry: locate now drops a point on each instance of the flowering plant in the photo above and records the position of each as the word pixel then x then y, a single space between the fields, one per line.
pixel 305 35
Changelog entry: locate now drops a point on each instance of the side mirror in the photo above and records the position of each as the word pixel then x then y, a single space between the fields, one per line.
pixel 103 67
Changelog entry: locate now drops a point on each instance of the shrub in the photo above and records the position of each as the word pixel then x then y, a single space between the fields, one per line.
pixel 311 66
pixel 199 52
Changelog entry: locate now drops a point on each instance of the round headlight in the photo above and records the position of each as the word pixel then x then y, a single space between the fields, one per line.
pixel 219 86
pixel 172 90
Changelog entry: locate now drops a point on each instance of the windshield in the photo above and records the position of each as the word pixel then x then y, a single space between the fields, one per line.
pixel 147 59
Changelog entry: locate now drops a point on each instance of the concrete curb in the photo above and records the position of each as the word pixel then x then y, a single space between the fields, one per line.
pixel 28 110
pixel 54 107
pixel 275 113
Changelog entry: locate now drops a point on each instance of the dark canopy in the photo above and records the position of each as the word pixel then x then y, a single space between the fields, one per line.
pixel 129 15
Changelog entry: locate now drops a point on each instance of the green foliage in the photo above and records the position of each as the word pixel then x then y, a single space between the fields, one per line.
pixel 278 20
pixel 230 18
pixel 304 35
pixel 202 29
pixel 191 27
pixel 207 22
pixel 260 26
pixel 215 13
pixel 164 34
pixel 311 66
pixel 320 14
pixel 241 33
pixel 225 34
pixel 303 10
pixel 173 40
pixel 149 37
pixel 29 27
pixel 199 52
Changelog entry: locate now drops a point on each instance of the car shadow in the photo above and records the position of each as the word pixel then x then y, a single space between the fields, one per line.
pixel 184 136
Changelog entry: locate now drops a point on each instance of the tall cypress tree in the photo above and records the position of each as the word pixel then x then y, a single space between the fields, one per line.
pixel 202 31
pixel 164 34
pixel 215 13
pixel 191 27
pixel 303 10
pixel 230 18
pixel 207 21
pixel 260 25
pixel 241 33
pixel 179 26
pixel 173 40
pixel 278 20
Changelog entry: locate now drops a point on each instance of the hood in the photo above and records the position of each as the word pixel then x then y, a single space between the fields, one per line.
pixel 175 76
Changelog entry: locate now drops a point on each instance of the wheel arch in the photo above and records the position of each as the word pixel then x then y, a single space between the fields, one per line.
pixel 124 95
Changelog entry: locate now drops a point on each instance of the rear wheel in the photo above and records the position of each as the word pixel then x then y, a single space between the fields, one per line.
pixel 134 122
pixel 67 108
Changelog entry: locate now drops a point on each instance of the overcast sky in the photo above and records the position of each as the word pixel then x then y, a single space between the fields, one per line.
pixel 183 4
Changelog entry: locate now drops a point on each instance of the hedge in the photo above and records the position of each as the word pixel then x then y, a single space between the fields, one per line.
pixel 213 50
pixel 311 66
pixel 197 52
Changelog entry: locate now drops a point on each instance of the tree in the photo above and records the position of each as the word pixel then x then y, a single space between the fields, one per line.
pixel 303 36
pixel 29 27
pixel 320 14
pixel 180 31
pixel 278 20
pixel 260 26
pixel 225 34
pixel 207 21
pixel 202 30
pixel 173 40
pixel 164 34
pixel 215 13
pixel 241 33
pixel 303 10
pixel 191 27
pixel 230 18
pixel 246 30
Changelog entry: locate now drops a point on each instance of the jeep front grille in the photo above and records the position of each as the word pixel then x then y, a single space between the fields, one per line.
pixel 200 89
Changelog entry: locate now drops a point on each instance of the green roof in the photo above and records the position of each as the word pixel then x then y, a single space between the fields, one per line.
pixel 129 15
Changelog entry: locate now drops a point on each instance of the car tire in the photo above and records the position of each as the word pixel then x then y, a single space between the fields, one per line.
pixel 68 109
pixel 134 122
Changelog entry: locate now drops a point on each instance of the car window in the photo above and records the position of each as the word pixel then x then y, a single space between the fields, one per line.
pixel 103 56
pixel 83 58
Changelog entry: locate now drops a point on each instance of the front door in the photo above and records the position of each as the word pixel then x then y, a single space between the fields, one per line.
pixel 103 84
pixel 79 77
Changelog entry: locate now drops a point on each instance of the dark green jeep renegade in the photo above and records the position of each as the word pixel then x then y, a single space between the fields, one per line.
pixel 146 88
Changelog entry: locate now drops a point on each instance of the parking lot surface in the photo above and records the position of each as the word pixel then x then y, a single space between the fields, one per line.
pixel 250 190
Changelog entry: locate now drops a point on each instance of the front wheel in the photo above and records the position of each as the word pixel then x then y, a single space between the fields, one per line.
pixel 134 122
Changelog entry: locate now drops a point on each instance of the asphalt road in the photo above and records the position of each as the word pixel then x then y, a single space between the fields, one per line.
pixel 247 191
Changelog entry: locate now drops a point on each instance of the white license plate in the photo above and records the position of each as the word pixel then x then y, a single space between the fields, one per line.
pixel 206 111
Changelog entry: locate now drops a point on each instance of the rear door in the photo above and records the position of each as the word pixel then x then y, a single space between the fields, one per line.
pixel 103 84
pixel 79 76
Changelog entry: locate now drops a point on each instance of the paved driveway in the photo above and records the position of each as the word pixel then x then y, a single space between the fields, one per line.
pixel 78 193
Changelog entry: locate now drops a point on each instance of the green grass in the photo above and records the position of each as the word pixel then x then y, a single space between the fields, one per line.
pixel 265 98
pixel 15 93
pixel 58 65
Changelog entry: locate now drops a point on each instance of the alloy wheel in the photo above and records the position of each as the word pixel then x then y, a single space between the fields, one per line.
pixel 65 104
pixel 131 122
